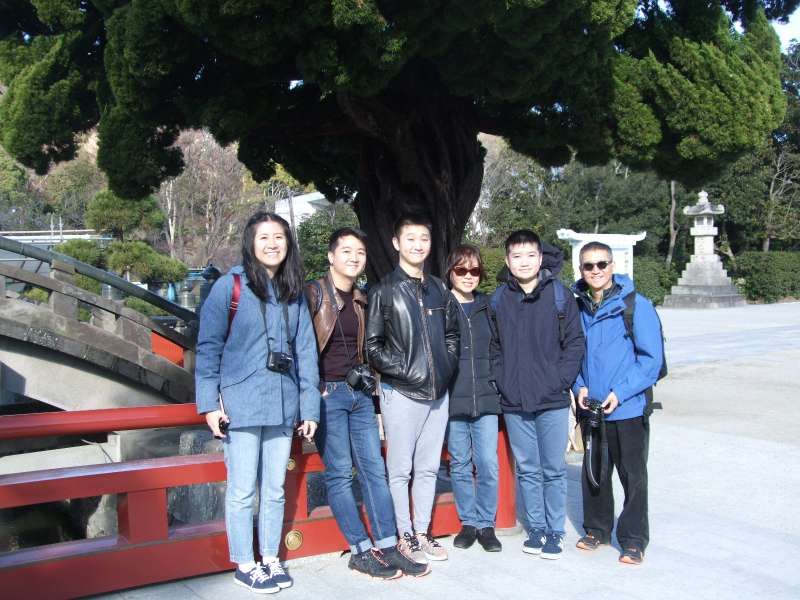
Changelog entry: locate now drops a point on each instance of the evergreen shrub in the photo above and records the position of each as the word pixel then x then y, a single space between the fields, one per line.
pixel 768 276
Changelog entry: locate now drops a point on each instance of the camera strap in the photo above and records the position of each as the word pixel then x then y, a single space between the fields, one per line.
pixel 590 442
pixel 285 310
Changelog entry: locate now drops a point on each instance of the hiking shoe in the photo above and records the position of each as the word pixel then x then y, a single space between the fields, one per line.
pixel 589 542
pixel 466 537
pixel 372 562
pixel 535 542
pixel 256 579
pixel 488 540
pixel 632 556
pixel 395 557
pixel 410 548
pixel 433 550
pixel 277 574
pixel 553 547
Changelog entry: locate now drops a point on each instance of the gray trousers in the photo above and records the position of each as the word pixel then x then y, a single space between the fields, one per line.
pixel 414 432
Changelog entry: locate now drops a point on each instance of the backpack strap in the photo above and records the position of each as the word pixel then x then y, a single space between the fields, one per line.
pixel 234 306
pixel 561 310
pixel 627 315
pixel 316 289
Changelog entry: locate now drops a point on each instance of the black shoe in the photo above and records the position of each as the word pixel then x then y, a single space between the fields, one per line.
pixel 466 537
pixel 488 540
pixel 372 562
pixel 397 559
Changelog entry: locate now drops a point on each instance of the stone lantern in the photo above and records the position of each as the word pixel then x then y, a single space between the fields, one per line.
pixel 704 283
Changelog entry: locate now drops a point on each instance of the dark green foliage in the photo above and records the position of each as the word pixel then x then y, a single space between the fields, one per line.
pixel 313 235
pixel 326 87
pixel 652 279
pixel 107 212
pixel 769 276
pixel 87 251
pixel 139 259
pixel 493 263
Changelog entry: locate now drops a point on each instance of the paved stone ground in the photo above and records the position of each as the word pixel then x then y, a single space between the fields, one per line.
pixel 723 481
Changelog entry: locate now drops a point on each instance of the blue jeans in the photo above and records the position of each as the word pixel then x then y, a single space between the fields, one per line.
pixel 473 441
pixel 539 443
pixel 348 434
pixel 255 454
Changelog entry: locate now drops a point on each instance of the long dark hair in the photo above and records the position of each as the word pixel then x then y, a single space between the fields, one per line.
pixel 289 277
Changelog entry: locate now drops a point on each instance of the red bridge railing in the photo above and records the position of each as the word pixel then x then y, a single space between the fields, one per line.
pixel 146 549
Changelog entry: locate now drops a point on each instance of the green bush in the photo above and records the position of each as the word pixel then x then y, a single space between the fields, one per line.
pixel 37 295
pixel 144 307
pixel 769 276
pixel 493 262
pixel 83 250
pixel 652 279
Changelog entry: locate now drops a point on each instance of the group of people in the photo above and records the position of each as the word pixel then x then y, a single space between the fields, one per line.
pixel 277 354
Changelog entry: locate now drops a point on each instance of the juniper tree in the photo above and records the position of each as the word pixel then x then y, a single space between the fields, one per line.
pixel 385 97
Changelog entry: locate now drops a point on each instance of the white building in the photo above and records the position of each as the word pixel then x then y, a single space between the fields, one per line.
pixel 299 208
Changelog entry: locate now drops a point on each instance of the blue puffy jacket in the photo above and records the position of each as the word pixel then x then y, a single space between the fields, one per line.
pixel 611 363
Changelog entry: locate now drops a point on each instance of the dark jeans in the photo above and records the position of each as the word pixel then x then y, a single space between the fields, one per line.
pixel 348 435
pixel 628 442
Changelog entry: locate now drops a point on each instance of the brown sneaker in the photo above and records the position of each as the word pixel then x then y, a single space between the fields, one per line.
pixel 631 556
pixel 409 547
pixel 589 542
pixel 433 550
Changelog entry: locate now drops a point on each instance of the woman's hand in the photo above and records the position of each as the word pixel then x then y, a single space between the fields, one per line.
pixel 213 419
pixel 307 429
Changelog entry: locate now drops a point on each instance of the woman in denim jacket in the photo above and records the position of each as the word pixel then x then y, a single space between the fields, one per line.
pixel 256 378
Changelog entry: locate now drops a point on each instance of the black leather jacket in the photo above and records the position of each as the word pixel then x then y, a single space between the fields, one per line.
pixel 413 334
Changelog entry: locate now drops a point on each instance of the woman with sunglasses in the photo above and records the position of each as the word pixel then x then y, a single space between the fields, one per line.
pixel 474 406
pixel 256 377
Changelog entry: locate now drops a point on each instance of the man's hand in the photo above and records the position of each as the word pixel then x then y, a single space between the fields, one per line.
pixel 610 404
pixel 583 393
pixel 212 420
pixel 307 429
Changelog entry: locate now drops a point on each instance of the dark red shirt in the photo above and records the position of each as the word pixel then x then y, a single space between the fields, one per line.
pixel 341 353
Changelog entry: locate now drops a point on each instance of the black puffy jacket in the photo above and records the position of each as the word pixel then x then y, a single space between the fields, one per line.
pixel 412 334
pixel 471 392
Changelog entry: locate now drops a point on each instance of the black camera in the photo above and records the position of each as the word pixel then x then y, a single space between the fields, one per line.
pixel 280 362
pixel 361 378
pixel 594 413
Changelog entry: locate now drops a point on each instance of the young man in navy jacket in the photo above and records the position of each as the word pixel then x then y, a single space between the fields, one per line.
pixel 617 372
pixel 540 350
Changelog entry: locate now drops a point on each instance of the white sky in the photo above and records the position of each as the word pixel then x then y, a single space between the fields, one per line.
pixel 790 30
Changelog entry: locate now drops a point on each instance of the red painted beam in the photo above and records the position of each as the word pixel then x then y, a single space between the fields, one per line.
pixel 82 422
pixel 21 489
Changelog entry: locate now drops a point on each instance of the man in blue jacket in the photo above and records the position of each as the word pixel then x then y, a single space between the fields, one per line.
pixel 617 373
pixel 540 351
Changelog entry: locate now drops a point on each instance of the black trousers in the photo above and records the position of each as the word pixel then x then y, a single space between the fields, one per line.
pixel 628 442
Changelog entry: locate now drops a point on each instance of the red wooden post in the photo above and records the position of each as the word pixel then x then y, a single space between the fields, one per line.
pixel 143 515
pixel 506 505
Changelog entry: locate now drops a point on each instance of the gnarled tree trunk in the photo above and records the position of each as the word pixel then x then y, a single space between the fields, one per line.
pixel 420 155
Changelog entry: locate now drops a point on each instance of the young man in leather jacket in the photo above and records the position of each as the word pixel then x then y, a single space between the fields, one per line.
pixel 348 430
pixel 413 342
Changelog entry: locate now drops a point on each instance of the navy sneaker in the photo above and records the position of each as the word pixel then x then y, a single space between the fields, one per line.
pixel 277 574
pixel 256 579
pixel 398 557
pixel 553 547
pixel 535 542
pixel 373 563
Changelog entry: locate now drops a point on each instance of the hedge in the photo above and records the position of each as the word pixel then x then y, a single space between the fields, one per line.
pixel 652 278
pixel 768 276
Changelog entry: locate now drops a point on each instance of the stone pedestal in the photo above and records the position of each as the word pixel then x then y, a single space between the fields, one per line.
pixel 704 283
pixel 621 247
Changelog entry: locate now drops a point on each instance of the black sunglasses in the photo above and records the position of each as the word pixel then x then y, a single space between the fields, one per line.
pixel 601 264
pixel 461 271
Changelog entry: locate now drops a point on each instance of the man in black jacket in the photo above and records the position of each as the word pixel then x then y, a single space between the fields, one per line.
pixel 413 341
pixel 540 350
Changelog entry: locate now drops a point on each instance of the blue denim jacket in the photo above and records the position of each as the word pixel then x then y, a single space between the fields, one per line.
pixel 236 367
